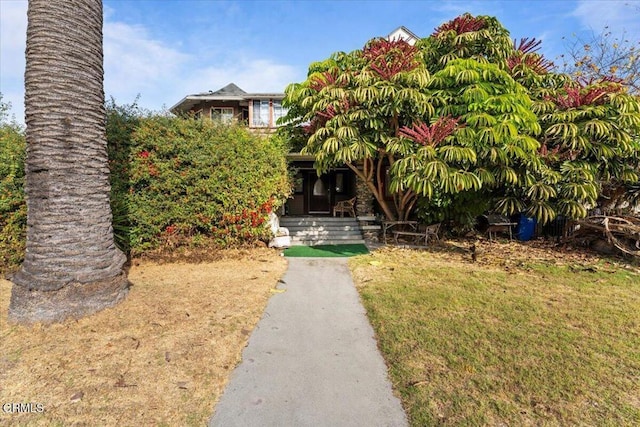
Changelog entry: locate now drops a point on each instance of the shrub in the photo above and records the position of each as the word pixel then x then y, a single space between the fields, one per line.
pixel 122 121
pixel 13 210
pixel 193 179
pixel 174 182
pixel 458 211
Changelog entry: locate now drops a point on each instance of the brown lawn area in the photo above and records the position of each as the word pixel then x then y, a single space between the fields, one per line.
pixel 162 357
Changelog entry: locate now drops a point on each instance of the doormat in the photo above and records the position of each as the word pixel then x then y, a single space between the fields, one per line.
pixel 326 251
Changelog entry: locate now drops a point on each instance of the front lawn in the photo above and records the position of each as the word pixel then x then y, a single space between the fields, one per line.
pixel 162 357
pixel 523 336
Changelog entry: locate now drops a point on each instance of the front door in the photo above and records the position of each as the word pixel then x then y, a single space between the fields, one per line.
pixel 319 192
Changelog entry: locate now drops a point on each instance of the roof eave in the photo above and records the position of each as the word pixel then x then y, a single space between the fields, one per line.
pixel 264 96
pixel 176 108
pixel 188 102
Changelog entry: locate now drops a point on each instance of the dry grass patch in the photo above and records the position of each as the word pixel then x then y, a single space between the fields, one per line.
pixel 527 335
pixel 162 357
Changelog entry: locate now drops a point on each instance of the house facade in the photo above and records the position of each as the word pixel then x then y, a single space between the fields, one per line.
pixel 259 111
pixel 313 194
pixel 403 33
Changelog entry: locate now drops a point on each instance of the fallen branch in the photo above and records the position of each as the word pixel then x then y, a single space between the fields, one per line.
pixel 622 232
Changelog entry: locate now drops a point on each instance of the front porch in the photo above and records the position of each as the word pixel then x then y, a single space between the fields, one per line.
pixel 309 213
pixel 317 195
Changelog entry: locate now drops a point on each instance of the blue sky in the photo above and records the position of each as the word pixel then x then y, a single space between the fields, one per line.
pixel 163 50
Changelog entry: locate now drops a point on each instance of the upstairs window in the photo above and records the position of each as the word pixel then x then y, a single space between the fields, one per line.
pixel 261 114
pixel 222 114
pixel 278 111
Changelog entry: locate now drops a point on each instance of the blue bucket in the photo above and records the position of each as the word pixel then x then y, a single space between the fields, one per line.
pixel 526 228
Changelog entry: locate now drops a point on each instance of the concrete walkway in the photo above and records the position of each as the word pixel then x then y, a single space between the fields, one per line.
pixel 312 360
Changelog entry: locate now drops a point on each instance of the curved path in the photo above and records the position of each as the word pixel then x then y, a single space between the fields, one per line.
pixel 312 360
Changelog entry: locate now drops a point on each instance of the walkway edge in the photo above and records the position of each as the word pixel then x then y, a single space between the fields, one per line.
pixel 312 360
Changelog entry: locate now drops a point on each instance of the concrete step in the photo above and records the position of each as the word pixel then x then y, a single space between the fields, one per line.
pixel 370 227
pixel 316 221
pixel 324 228
pixel 307 242
pixel 312 231
pixel 316 234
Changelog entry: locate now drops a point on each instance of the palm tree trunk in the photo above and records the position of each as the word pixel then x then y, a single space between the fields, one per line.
pixel 72 267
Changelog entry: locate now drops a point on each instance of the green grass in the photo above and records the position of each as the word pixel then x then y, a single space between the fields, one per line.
pixel 326 251
pixel 478 345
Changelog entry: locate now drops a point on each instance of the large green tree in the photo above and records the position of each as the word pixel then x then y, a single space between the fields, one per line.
pixel 592 141
pixel 468 115
pixel 440 115
pixel 493 145
pixel 72 266
pixel 352 105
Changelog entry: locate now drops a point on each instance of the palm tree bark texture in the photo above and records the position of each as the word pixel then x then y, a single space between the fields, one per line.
pixel 72 267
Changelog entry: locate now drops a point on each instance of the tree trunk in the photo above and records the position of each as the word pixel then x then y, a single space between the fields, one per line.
pixel 366 175
pixel 72 267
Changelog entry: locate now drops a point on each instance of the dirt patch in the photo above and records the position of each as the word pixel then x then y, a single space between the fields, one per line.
pixel 504 253
pixel 511 256
pixel 162 357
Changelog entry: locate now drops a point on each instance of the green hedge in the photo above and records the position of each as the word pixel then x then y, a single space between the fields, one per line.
pixel 191 181
pixel 175 182
pixel 13 210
